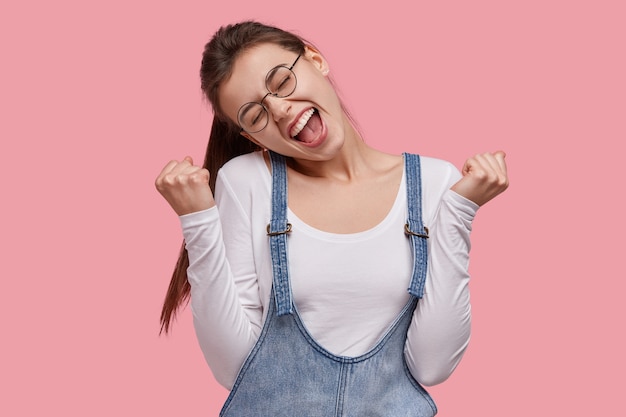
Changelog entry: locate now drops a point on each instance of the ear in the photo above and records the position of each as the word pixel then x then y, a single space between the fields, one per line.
pixel 317 59
pixel 246 135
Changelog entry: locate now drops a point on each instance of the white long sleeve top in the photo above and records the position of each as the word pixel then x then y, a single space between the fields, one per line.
pixel 348 288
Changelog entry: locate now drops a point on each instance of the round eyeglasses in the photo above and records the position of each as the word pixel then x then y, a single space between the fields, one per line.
pixel 280 82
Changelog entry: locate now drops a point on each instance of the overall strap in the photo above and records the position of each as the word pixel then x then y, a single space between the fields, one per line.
pixel 277 230
pixel 414 227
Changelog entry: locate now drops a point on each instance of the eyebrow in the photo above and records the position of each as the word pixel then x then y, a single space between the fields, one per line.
pixel 268 76
pixel 271 73
pixel 246 108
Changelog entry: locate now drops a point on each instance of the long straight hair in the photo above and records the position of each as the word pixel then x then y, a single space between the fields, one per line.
pixel 225 140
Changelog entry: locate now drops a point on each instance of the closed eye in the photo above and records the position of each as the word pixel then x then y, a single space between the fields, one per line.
pixel 258 117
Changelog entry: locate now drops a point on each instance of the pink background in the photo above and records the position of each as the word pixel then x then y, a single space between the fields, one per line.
pixel 97 96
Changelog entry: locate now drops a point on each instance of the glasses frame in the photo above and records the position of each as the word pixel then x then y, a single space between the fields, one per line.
pixel 269 93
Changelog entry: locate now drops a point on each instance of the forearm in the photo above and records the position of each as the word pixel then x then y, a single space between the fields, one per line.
pixel 440 330
pixel 226 331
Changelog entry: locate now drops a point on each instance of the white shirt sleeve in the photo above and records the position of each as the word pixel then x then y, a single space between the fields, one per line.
pixel 227 312
pixel 440 329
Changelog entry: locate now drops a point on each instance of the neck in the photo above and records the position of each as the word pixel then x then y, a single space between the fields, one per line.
pixel 350 161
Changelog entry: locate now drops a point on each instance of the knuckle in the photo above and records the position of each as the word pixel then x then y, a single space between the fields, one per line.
pixel 481 175
pixel 200 176
pixel 195 177
pixel 171 180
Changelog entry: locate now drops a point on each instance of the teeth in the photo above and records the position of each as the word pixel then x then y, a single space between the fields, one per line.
pixel 301 123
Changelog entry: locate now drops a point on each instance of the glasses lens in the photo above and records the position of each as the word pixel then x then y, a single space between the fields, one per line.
pixel 281 81
pixel 252 117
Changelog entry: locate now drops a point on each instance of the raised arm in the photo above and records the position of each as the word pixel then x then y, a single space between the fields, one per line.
pixel 225 304
pixel 440 330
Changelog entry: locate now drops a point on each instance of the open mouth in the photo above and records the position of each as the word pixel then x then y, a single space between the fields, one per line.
pixel 308 128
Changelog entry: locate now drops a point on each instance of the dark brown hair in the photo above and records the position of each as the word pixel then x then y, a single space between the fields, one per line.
pixel 225 141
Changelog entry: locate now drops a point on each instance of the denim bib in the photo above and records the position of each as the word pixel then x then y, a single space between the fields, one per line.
pixel 288 374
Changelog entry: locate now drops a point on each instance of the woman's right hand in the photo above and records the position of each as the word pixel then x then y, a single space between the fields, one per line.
pixel 185 186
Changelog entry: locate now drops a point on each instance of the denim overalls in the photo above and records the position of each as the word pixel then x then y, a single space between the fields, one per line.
pixel 288 374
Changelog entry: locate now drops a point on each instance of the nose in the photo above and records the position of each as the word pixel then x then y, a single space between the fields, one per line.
pixel 278 107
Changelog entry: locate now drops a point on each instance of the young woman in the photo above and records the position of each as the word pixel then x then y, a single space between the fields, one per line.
pixel 298 269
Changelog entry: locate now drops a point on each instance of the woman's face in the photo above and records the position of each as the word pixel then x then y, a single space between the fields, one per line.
pixel 308 124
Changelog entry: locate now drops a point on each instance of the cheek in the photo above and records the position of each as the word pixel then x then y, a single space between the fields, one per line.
pixel 230 115
pixel 229 105
pixel 321 90
pixel 268 135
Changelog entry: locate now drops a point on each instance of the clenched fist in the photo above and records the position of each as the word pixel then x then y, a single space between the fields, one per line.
pixel 185 186
pixel 484 177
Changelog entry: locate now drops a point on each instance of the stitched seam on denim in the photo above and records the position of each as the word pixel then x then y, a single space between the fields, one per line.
pixel 393 327
pixel 420 389
pixel 415 223
pixel 249 359
pixel 341 389
pixel 278 243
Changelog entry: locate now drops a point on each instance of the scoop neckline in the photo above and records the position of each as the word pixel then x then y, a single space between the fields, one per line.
pixel 375 230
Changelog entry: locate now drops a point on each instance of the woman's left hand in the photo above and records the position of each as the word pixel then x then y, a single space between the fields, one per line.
pixel 484 177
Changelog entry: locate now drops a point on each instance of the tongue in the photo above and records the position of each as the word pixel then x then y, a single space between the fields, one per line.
pixel 312 130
